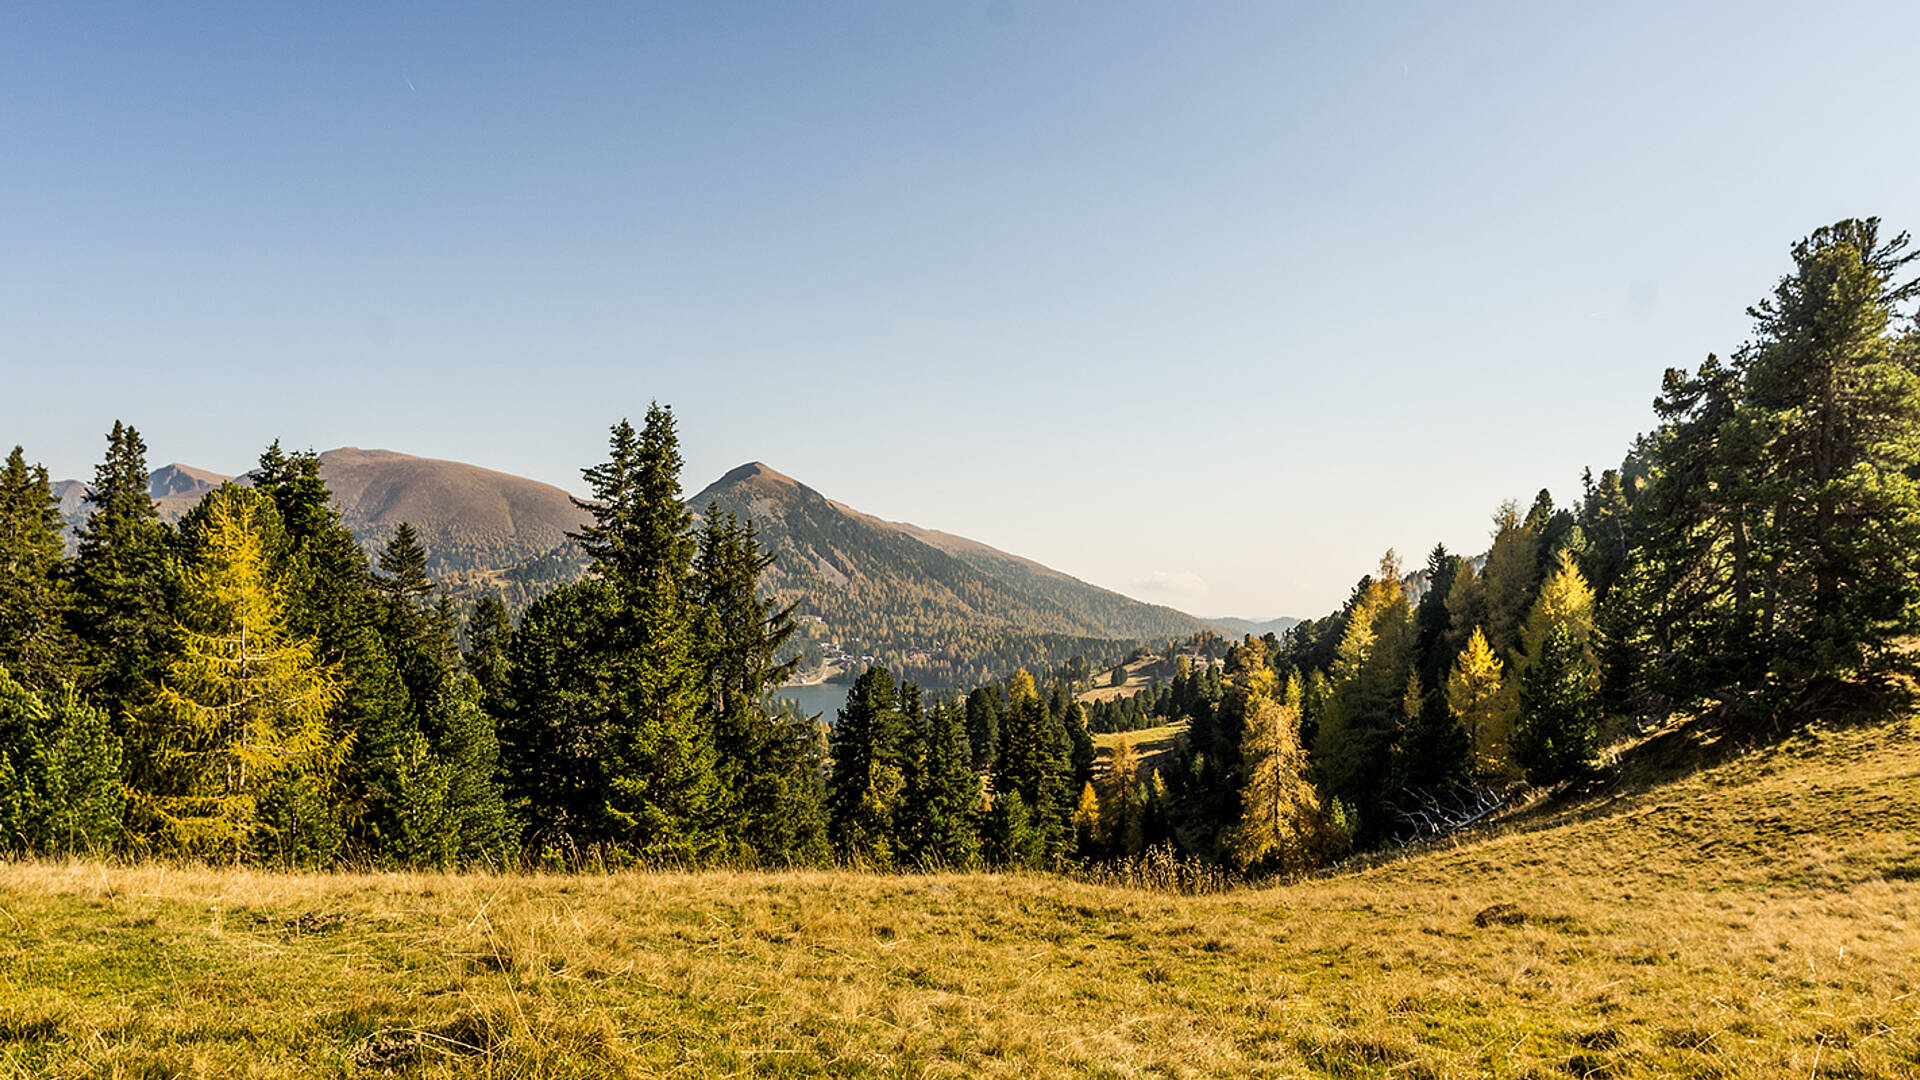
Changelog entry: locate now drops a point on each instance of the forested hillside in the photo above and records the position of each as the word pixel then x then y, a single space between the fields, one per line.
pixel 246 684
pixel 940 608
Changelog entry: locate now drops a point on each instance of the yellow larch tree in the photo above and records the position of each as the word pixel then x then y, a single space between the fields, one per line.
pixel 1279 809
pixel 243 710
pixel 1479 696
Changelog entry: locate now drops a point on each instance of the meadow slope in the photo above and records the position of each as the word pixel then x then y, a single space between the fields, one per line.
pixel 1711 913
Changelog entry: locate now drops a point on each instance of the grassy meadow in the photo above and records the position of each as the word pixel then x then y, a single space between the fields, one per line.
pixel 1716 910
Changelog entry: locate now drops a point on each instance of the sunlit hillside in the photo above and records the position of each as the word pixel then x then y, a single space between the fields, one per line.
pixel 1728 906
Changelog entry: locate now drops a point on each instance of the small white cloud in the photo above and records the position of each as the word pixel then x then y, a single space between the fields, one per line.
pixel 1178 582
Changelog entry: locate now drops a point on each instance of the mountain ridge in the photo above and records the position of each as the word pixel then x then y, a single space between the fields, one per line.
pixel 942 607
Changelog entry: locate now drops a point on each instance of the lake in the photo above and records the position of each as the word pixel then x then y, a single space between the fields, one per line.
pixel 824 698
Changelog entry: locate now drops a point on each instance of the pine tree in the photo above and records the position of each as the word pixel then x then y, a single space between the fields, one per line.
pixel 122 578
pixel 35 641
pixel 1478 695
pixel 235 758
pixel 1839 404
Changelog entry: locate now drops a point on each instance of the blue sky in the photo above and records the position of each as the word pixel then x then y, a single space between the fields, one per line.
pixel 1207 303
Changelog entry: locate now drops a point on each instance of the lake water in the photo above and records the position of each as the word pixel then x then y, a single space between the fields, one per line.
pixel 824 699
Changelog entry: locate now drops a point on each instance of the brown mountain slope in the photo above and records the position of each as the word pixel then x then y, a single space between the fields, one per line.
pixel 468 517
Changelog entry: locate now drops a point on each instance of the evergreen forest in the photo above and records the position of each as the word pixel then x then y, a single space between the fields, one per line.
pixel 248 685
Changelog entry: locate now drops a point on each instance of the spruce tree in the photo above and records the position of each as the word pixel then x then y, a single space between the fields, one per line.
pixel 983 725
pixel 123 578
pixel 1557 734
pixel 35 641
pixel 941 794
pixel 769 779
pixel 658 791
pixel 866 782
pixel 489 643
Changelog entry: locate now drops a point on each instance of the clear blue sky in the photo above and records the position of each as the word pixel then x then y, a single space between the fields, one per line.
pixel 1207 303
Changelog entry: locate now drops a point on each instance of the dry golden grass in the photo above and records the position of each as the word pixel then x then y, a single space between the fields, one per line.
pixel 1754 917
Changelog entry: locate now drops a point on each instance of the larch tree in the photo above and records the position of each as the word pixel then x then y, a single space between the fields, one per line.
pixel 1477 693
pixel 235 756
pixel 1279 809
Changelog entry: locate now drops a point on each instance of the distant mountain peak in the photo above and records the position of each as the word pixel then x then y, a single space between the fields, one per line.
pixel 178 479
pixel 755 476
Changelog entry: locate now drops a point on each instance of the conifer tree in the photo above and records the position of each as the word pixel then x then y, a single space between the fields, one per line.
pixel 1839 400
pixel 563 692
pixel 489 643
pixel 769 780
pixel 1557 733
pixel 864 789
pixel 60 785
pixel 122 577
pixel 35 642
pixel 941 792
pixel 1511 575
pixel 983 725
pixel 1088 837
pixel 1009 836
pixel 1123 801
pixel 654 775
pixel 1565 600
pixel 235 758
pixel 1366 712
pixel 1432 621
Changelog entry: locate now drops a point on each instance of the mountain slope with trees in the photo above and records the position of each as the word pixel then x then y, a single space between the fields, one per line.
pixel 942 608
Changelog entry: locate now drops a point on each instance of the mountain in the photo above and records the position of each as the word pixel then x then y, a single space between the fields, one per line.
pixel 1256 627
pixel 469 518
pixel 940 608
pixel 944 609
pixel 175 489
pixel 483 530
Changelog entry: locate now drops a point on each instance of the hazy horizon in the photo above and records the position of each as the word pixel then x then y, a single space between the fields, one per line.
pixel 1205 306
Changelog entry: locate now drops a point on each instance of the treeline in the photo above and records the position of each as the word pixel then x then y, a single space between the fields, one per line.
pixel 1759 548
pixel 248 685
